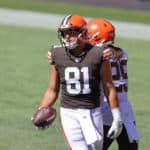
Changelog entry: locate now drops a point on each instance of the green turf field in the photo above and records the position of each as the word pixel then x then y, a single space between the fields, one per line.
pixel 24 75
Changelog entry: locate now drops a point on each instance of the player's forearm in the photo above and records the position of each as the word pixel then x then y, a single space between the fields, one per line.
pixel 49 98
pixel 112 98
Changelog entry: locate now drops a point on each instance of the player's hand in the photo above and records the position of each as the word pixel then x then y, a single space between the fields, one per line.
pixel 115 129
pixel 116 126
pixel 110 52
pixel 44 117
pixel 49 56
pixel 107 53
pixel 40 127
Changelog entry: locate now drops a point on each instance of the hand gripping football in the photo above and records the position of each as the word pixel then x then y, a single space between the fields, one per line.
pixel 44 117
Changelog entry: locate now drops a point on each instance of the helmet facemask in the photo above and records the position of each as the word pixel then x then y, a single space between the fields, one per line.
pixel 78 34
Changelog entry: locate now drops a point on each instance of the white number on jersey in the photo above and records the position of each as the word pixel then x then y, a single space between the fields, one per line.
pixel 72 77
pixel 119 74
pixel 120 67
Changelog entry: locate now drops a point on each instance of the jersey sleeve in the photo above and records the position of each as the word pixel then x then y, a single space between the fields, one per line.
pixel 53 55
pixel 125 54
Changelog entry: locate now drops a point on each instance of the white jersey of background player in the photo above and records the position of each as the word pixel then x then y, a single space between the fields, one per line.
pixel 120 80
pixel 101 33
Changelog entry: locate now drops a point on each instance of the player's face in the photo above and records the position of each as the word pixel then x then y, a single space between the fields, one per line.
pixel 70 35
pixel 69 38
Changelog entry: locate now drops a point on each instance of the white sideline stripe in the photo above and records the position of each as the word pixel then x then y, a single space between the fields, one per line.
pixel 51 21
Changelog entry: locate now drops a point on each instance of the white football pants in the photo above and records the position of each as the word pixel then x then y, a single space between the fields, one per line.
pixel 83 128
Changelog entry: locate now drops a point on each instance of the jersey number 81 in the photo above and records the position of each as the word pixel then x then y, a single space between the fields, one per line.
pixel 73 78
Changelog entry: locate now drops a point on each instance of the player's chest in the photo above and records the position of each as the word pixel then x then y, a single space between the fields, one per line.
pixel 86 67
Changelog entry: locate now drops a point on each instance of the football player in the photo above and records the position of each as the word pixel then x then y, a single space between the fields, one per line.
pixel 101 32
pixel 78 68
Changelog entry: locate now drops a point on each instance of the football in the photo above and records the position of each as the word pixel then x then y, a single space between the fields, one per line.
pixel 44 117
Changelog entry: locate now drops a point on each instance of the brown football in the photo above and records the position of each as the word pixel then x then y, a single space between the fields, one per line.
pixel 44 117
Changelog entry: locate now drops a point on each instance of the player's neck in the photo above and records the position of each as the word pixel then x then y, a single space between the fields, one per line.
pixel 78 50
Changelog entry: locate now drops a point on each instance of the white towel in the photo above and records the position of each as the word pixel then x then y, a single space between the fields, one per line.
pixel 131 131
pixel 128 120
pixel 89 129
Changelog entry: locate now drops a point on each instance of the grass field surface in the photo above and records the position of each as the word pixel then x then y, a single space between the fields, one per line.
pixel 24 75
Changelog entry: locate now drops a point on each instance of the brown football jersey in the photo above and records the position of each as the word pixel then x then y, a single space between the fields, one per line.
pixel 79 76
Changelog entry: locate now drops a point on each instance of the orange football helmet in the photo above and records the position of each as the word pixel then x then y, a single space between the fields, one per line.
pixel 74 23
pixel 100 31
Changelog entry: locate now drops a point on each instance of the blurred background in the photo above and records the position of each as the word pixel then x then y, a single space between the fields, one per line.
pixel 28 28
pixel 120 4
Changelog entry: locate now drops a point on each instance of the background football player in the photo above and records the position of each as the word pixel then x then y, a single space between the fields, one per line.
pixel 101 32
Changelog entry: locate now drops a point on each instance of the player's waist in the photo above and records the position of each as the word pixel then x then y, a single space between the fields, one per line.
pixel 82 103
